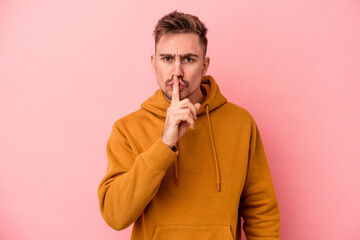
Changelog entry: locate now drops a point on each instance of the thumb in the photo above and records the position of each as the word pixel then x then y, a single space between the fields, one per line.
pixel 197 106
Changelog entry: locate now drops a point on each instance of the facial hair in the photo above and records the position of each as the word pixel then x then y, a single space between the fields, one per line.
pixel 168 94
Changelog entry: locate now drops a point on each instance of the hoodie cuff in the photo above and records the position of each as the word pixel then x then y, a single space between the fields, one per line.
pixel 160 155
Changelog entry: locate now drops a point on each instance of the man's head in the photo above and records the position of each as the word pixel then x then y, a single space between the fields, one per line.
pixel 180 49
pixel 176 23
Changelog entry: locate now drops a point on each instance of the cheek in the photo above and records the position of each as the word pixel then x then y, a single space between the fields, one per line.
pixel 194 74
pixel 162 72
pixel 161 79
pixel 195 70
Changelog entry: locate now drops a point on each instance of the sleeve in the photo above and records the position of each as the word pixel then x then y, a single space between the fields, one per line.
pixel 131 182
pixel 258 204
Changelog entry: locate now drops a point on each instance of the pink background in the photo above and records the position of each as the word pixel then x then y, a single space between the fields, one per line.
pixel 69 69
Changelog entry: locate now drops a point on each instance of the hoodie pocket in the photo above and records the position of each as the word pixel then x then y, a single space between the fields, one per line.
pixel 193 233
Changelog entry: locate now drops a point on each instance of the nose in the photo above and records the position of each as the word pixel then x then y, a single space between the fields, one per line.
pixel 178 69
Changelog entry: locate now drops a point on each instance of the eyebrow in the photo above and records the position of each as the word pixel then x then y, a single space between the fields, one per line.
pixel 186 55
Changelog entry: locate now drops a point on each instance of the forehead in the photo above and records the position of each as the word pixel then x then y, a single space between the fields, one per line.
pixel 179 43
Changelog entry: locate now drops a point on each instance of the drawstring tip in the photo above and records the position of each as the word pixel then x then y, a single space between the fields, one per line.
pixel 218 185
pixel 177 181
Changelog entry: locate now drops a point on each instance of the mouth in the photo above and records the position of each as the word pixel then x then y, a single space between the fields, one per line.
pixel 182 83
pixel 181 86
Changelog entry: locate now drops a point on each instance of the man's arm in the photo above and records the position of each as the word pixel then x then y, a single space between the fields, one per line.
pixel 130 183
pixel 258 204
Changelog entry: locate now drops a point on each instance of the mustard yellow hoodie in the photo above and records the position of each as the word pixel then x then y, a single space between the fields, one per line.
pixel 217 174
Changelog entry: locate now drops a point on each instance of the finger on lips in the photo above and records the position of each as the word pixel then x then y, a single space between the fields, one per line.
pixel 175 93
pixel 186 111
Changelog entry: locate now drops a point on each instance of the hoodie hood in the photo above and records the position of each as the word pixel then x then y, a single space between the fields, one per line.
pixel 158 104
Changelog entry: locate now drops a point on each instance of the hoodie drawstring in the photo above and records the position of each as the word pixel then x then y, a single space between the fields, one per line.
pixel 176 168
pixel 218 180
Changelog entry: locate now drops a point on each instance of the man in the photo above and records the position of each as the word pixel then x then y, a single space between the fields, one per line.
pixel 188 164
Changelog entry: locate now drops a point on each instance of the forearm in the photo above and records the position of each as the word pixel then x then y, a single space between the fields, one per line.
pixel 124 195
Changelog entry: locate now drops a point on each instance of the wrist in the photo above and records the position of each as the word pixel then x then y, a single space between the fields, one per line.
pixel 172 147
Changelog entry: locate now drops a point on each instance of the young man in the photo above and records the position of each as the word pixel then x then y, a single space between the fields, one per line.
pixel 188 164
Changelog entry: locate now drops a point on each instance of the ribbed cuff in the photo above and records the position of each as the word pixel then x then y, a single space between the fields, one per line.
pixel 160 155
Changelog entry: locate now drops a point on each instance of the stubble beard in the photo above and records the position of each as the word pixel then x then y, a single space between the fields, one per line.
pixel 182 95
pixel 168 95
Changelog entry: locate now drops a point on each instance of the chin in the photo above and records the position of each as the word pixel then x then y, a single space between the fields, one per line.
pixel 168 95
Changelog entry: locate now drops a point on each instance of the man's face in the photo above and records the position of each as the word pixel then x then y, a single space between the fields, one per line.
pixel 180 55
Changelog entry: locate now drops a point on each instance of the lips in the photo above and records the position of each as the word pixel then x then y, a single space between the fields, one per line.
pixel 181 86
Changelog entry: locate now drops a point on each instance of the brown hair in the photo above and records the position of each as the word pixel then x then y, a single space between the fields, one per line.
pixel 178 22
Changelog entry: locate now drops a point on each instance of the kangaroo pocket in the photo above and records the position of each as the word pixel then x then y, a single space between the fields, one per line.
pixel 193 233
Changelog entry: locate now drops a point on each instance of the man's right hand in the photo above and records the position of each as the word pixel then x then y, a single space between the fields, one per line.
pixel 179 116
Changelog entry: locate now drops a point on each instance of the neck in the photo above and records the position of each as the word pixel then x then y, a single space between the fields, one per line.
pixel 197 96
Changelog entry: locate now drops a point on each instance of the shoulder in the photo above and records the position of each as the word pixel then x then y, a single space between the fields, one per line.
pixel 233 111
pixel 132 118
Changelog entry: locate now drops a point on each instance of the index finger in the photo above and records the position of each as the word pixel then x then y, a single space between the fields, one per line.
pixel 175 93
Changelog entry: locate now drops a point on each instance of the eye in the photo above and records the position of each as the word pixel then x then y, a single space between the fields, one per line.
pixel 189 60
pixel 167 59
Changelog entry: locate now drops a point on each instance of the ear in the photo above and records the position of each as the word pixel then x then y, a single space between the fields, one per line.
pixel 153 63
pixel 206 65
